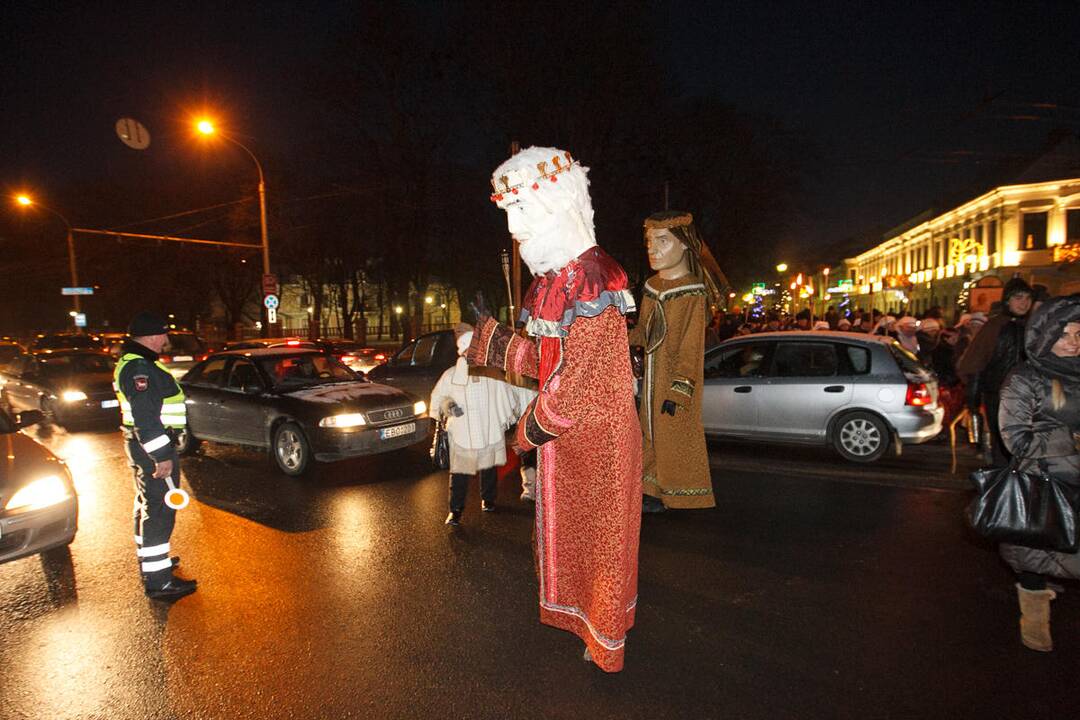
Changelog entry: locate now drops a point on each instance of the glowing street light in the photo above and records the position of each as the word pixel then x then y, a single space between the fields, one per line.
pixel 26 201
pixel 782 267
pixel 206 128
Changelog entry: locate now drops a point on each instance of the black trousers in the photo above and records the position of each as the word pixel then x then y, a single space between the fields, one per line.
pixel 459 487
pixel 154 520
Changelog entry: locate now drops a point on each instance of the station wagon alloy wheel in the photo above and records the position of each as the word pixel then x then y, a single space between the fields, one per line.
pixel 861 437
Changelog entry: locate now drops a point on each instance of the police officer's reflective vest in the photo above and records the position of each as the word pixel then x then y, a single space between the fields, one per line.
pixel 173 409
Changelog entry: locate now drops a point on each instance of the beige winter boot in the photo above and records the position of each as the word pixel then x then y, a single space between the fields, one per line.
pixel 1035 618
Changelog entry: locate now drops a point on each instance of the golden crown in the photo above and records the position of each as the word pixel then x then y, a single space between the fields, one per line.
pixel 514 180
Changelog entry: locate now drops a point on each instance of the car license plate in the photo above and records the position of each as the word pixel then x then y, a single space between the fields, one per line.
pixel 182 358
pixel 390 432
pixel 110 403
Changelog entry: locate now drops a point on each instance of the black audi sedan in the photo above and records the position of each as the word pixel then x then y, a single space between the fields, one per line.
pixel 300 404
pixel 71 387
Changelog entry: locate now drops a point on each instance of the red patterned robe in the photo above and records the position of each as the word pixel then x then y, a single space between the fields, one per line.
pixel 585 426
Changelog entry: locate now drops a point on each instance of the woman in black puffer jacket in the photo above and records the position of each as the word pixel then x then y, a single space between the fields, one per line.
pixel 1040 412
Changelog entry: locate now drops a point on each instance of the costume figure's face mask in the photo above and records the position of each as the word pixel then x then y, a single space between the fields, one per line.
pixel 545 194
pixel 665 250
pixel 544 234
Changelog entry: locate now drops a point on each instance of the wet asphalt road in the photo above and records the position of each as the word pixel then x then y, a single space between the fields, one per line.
pixel 817 589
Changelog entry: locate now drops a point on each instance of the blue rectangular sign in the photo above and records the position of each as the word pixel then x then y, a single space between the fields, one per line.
pixel 77 291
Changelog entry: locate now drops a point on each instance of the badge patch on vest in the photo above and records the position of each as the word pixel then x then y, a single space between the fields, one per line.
pixel 142 382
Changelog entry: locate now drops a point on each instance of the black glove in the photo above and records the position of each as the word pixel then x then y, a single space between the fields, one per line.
pixel 637 361
pixel 668 407
pixel 455 409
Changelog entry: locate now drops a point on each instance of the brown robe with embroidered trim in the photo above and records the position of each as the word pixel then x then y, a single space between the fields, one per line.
pixel 671 327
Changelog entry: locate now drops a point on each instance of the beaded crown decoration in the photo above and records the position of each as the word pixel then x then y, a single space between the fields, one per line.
pixel 515 181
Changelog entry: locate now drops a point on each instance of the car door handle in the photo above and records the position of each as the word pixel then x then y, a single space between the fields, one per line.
pixel 744 389
pixel 834 388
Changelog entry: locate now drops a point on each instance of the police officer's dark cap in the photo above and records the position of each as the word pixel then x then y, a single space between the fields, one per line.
pixel 147 323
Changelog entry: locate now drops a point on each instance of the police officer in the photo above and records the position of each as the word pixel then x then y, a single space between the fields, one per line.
pixel 152 413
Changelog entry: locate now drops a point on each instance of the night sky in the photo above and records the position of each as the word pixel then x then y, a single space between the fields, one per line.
pixel 898 107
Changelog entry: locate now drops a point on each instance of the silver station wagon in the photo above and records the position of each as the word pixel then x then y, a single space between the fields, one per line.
pixel 854 392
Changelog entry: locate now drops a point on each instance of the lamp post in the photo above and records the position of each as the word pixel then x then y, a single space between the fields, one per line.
pixel 206 127
pixel 26 201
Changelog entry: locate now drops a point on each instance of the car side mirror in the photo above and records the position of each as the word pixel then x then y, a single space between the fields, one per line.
pixel 30 417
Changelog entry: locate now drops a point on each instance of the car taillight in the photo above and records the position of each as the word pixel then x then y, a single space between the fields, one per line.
pixel 918 394
pixel 165 358
pixel 292 343
pixel 380 357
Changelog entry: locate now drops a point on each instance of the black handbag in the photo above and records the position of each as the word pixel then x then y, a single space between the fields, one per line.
pixel 1033 509
pixel 440 448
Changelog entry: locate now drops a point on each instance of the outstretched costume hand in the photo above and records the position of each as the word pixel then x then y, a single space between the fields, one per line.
pixel 480 309
pixel 668 407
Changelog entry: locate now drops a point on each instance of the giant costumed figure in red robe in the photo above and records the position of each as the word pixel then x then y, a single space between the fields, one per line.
pixel 583 422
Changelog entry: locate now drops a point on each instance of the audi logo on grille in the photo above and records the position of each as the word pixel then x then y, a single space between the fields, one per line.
pixel 394 414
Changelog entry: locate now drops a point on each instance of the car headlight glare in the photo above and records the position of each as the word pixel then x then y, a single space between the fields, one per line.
pixel 41 493
pixel 419 408
pixel 345 420
pixel 73 396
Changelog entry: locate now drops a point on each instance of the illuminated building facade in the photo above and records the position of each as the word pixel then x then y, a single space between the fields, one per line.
pixel 959 259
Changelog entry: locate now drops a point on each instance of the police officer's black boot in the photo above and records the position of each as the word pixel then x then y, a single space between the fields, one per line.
pixel 172 589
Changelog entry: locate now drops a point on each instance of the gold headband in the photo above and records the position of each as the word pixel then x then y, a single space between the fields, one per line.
pixel 677 221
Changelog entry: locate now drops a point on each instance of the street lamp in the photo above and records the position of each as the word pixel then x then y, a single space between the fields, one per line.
pixel 26 201
pixel 781 268
pixel 206 128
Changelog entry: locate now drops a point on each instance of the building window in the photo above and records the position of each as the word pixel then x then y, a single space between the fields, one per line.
pixel 991 237
pixel 1033 231
pixel 1072 226
pixel 978 234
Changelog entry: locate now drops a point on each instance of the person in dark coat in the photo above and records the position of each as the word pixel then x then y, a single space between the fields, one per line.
pixel 1040 414
pixel 992 354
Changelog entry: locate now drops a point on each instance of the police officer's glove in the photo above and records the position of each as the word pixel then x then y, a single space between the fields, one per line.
pixel 668 407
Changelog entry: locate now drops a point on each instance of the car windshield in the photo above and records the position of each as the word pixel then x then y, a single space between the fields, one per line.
pixel 306 369
pixel 183 344
pixel 909 363
pixel 57 365
pixel 58 342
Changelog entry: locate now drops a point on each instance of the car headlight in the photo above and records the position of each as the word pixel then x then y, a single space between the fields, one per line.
pixel 419 408
pixel 73 396
pixel 41 493
pixel 345 420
